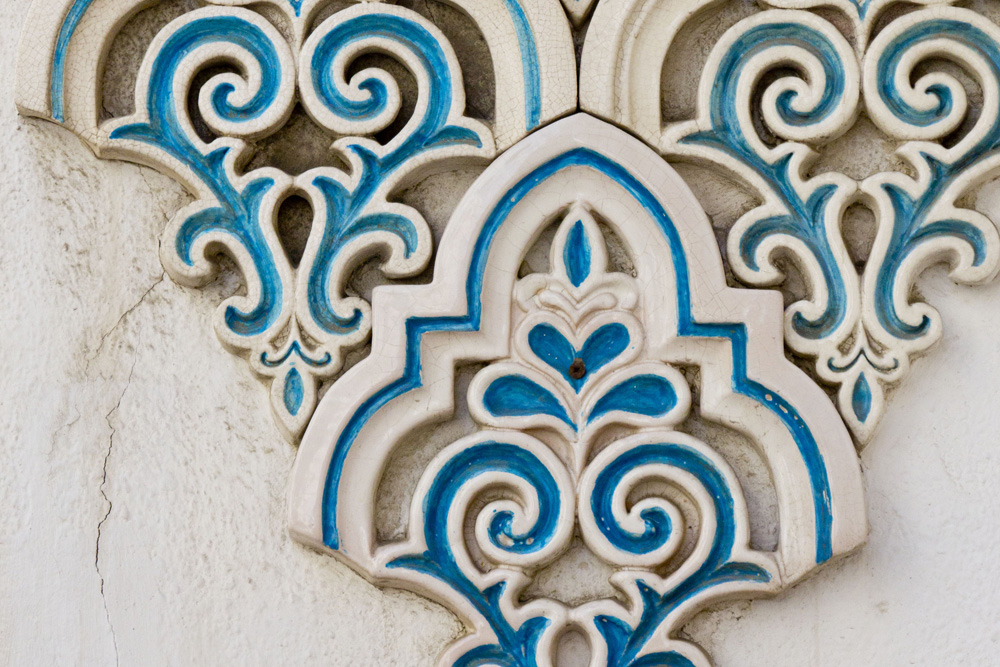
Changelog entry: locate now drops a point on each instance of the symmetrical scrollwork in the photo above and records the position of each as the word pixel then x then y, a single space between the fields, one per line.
pixel 863 326
pixel 582 406
pixel 578 412
pixel 575 367
pixel 296 321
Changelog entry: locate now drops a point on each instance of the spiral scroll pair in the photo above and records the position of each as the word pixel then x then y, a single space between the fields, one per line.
pixel 525 508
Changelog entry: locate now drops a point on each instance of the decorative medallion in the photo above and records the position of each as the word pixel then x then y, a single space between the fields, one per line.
pixel 577 409
pixel 862 324
pixel 295 323
pixel 550 406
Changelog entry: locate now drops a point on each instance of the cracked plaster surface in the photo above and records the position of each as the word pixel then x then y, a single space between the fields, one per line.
pixel 143 481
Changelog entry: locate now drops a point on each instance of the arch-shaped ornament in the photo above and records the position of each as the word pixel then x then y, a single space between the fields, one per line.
pixel 296 322
pixel 806 79
pixel 579 409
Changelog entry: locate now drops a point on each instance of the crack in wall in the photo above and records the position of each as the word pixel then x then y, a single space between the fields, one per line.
pixel 152 192
pixel 107 500
pixel 128 311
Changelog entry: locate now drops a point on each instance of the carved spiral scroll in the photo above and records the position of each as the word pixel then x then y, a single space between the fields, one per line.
pixel 249 104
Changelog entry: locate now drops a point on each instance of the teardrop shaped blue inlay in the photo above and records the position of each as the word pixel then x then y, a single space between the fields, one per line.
pixel 517 396
pixel 602 346
pixel 294 392
pixel 576 254
pixel 648 395
pixel 861 399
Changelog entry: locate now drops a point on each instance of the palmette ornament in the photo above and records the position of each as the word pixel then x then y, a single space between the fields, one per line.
pixel 590 371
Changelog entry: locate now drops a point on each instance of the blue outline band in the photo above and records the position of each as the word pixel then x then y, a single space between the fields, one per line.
pixel 529 65
pixel 416 327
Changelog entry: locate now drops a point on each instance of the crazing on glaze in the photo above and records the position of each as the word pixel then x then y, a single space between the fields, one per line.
pixel 589 371
pixel 861 322
pixel 295 323
pixel 577 408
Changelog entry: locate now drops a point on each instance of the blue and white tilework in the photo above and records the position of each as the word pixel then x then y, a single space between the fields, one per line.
pixel 578 409
pixel 587 372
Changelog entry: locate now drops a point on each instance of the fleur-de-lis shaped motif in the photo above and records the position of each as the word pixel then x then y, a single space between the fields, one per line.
pixel 580 437
pixel 298 319
pixel 577 362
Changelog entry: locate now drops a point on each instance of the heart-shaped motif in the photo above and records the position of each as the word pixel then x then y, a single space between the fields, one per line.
pixel 576 366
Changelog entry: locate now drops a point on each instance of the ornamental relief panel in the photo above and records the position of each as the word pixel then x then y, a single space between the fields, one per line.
pixel 567 362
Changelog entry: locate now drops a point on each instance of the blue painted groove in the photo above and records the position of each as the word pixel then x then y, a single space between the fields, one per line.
pixel 294 392
pixel 295 349
pixel 624 642
pixel 416 327
pixel 66 32
pixel 346 220
pixel 576 254
pixel 862 6
pixel 910 220
pixel 805 219
pixel 862 354
pixel 514 647
pixel 861 399
pixel 238 211
pixel 529 64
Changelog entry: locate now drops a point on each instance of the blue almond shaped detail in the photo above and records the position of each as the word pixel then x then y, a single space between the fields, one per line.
pixel 648 395
pixel 576 254
pixel 861 399
pixel 517 396
pixel 294 392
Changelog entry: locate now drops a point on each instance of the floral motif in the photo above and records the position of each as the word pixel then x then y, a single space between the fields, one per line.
pixel 578 413
pixel 236 212
pixel 576 368
pixel 296 322
pixel 863 327
pixel 580 405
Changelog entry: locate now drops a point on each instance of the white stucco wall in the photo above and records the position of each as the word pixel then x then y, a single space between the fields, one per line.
pixel 143 481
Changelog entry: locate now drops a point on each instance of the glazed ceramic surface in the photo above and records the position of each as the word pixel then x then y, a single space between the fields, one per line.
pixel 586 373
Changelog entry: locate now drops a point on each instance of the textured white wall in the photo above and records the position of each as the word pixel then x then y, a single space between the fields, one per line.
pixel 142 480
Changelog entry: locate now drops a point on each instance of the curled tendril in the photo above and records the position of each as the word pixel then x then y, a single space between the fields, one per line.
pixel 509 528
pixel 525 532
pixel 654 526
pixel 929 109
pixel 264 103
pixel 370 100
pixel 262 89
pixel 936 101
pixel 649 533
pixel 364 105
pixel 814 104
pixel 791 101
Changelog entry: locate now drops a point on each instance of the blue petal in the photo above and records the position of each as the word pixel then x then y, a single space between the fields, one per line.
pixel 602 346
pixel 294 392
pixel 551 346
pixel 517 396
pixel 649 395
pixel 576 254
pixel 861 399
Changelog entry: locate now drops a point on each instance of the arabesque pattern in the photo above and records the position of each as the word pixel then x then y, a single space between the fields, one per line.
pixel 579 411
pixel 296 322
pixel 861 323
pixel 590 374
